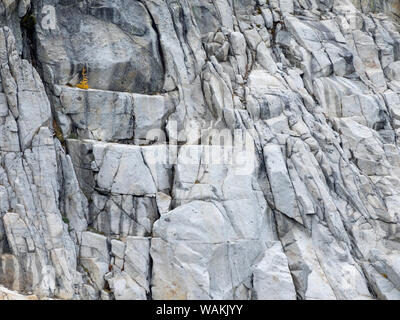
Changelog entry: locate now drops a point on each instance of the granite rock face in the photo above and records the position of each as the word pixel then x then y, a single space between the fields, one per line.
pixel 229 149
pixel 115 40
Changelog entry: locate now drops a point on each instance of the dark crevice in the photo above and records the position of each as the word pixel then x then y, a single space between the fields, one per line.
pixel 159 46
pixel 28 30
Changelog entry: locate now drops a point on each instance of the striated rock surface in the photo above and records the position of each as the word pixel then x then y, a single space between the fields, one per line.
pixel 229 149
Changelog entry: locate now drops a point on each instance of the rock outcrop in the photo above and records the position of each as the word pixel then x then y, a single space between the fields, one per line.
pixel 229 149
